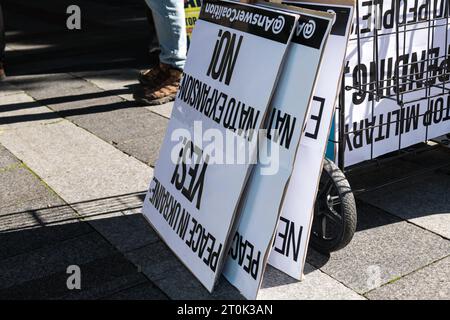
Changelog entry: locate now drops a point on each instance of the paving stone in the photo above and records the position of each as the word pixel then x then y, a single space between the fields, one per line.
pixel 164 110
pixel 33 223
pixel 316 285
pixel 18 185
pixel 123 79
pixel 48 86
pixel 114 79
pixel 126 232
pixel 365 179
pixel 99 278
pixel 145 149
pixel 437 156
pixel 7 159
pixel 145 291
pixel 133 130
pixel 165 270
pixel 383 248
pixel 19 241
pixel 405 167
pixel 76 164
pixel 422 200
pixel 429 283
pixel 20 110
pixel 51 259
pixel 155 260
pixel 109 206
pixel 7 89
pixel 64 92
pixel 162 267
pixel 121 126
pixel 180 284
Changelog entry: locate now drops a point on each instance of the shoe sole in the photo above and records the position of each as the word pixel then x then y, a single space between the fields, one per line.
pixel 155 102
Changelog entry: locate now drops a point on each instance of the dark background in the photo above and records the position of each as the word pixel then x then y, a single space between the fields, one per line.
pixel 114 34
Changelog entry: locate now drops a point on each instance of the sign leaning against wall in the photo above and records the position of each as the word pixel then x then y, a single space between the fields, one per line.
pixel 292 237
pixel 266 187
pixel 192 11
pixel 231 70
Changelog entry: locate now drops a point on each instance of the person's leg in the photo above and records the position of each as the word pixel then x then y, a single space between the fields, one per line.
pixel 169 19
pixel 2 44
pixel 161 82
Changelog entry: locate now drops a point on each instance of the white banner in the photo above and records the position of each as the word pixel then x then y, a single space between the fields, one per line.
pixel 421 58
pixel 265 189
pixel 291 240
pixel 232 67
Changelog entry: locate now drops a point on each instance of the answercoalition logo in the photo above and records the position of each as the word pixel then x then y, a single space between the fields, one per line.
pixel 307 29
pixel 218 12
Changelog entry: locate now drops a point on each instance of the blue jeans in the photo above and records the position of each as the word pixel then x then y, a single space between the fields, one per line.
pixel 171 30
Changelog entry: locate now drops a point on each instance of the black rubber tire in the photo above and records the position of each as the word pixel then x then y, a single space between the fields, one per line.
pixel 338 187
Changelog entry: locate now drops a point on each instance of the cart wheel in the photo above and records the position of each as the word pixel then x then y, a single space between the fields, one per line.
pixel 335 211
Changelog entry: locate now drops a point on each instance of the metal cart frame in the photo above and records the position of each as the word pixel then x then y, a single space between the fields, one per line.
pixel 397 84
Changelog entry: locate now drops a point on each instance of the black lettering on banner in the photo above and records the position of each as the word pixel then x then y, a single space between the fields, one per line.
pixel 290 239
pixel 190 21
pixel 281 127
pixel 388 17
pixel 224 56
pixel 203 244
pixel 258 21
pixel 366 16
pixel 438 111
pixel 410 12
pixel 229 112
pixel 171 210
pixel 196 171
pixel 244 253
pixel 412 74
pixel 396 122
pixel 316 117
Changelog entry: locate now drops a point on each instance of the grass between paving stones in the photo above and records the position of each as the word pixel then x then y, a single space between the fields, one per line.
pixel 406 275
pixel 40 179
pixel 12 166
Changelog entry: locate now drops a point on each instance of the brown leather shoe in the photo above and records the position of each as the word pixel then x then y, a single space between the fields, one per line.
pixel 151 77
pixel 163 92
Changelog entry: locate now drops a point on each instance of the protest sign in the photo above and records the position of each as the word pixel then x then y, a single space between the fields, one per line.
pixel 421 61
pixel 262 201
pixel 192 11
pixel 232 67
pixel 291 240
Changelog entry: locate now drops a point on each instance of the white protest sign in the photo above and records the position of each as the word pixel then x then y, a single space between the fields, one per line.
pixel 291 240
pixel 232 66
pixel 261 203
pixel 422 58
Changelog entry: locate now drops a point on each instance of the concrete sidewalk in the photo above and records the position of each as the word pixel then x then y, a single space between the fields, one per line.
pixel 76 155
